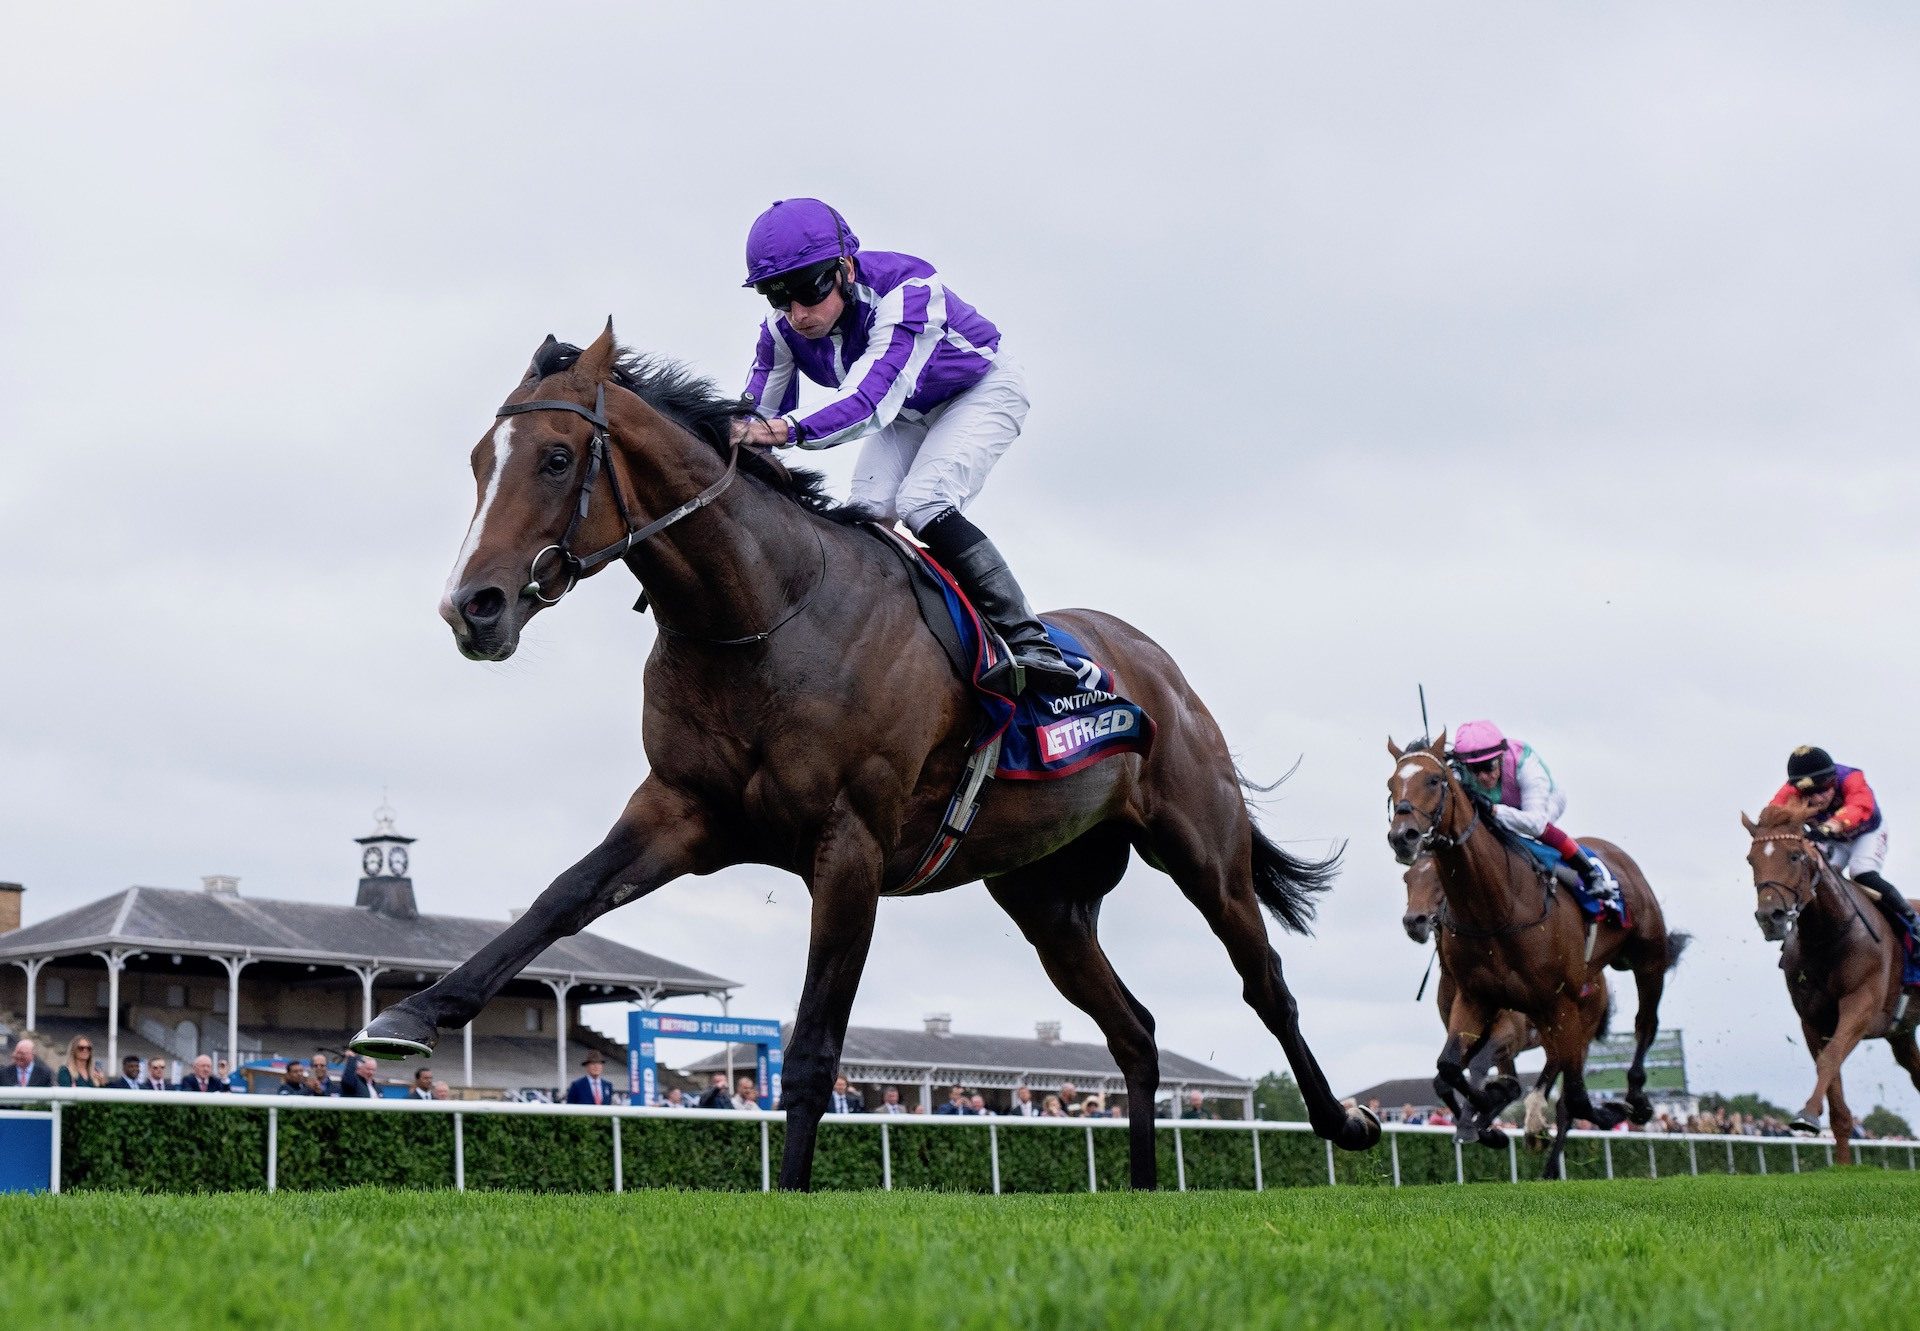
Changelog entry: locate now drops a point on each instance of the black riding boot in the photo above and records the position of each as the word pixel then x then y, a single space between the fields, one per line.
pixel 967 553
pixel 1590 874
pixel 1893 904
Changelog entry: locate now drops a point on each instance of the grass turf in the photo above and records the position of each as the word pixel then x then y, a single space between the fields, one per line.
pixel 1818 1250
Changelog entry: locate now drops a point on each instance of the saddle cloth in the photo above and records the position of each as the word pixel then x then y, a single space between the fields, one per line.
pixel 1042 736
pixel 1611 907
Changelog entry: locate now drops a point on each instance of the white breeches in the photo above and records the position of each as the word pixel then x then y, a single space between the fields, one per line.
pixel 912 470
pixel 1863 854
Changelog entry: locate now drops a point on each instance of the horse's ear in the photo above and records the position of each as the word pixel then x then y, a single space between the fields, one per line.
pixel 1395 749
pixel 1753 828
pixel 596 362
pixel 541 354
pixel 1439 747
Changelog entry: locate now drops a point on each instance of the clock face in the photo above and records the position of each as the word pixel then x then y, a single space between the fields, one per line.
pixel 370 861
pixel 397 861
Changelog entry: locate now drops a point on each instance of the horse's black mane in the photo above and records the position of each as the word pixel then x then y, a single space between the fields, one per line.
pixel 700 408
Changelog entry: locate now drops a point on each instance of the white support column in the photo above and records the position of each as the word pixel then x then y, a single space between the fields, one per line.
pixel 31 966
pixel 116 959
pixel 726 1002
pixel 560 990
pixel 466 1051
pixel 366 974
pixel 234 966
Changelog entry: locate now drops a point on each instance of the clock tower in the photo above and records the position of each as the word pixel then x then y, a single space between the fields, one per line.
pixel 385 886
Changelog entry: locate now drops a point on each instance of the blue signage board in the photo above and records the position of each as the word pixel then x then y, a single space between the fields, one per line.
pixel 645 1028
pixel 26 1151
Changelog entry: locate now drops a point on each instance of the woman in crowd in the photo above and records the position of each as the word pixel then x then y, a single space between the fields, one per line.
pixel 1050 1108
pixel 79 1069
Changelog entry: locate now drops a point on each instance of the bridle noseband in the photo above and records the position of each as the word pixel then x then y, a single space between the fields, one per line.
pixel 599 458
pixel 1818 870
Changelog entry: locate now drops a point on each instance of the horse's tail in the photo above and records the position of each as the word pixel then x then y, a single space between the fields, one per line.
pixel 1287 884
pixel 1677 942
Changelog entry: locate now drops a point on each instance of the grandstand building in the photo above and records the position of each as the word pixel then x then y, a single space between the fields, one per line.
pixel 165 971
pixel 926 1062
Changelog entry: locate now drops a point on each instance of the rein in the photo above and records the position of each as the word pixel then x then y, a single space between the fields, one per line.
pixel 1821 870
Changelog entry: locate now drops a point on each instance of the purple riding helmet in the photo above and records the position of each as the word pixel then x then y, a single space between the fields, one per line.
pixel 794 233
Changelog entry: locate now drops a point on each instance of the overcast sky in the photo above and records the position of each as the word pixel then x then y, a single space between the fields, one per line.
pixel 1562 360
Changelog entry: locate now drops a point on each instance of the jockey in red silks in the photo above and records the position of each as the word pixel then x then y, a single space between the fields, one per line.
pixel 1844 814
pixel 1525 799
pixel 918 375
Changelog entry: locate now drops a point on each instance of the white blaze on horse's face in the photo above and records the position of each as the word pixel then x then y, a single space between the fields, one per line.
pixel 502 448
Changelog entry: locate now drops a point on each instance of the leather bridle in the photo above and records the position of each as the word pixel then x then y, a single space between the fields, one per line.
pixel 1433 836
pixel 600 458
pixel 1800 897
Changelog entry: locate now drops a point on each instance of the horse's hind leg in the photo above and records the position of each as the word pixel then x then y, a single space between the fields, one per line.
pixel 1906 1053
pixel 1650 978
pixel 1215 872
pixel 1056 903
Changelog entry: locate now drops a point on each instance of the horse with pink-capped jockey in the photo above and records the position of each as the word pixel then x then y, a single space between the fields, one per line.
pixel 1525 798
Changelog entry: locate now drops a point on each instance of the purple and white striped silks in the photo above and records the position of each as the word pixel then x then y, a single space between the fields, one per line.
pixel 905 345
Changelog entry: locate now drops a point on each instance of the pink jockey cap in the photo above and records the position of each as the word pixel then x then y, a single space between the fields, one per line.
pixel 1478 741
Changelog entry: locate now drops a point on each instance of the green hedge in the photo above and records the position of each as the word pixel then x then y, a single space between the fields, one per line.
pixel 160 1148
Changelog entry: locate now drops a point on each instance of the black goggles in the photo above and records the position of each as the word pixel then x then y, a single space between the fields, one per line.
pixel 1814 785
pixel 802 286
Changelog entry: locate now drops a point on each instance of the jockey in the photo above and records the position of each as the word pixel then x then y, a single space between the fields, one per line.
pixel 1525 799
pixel 1843 812
pixel 918 373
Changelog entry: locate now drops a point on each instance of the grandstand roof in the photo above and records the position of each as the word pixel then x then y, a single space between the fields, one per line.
pixel 227 924
pixel 881 1054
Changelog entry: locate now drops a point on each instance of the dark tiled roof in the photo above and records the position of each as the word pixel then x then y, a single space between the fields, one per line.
pixel 1415 1091
pixel 959 1054
pixel 201 922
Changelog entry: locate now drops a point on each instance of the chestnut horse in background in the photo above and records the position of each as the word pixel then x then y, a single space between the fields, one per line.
pixel 1513 940
pixel 799 713
pixel 1512 1036
pixel 1841 957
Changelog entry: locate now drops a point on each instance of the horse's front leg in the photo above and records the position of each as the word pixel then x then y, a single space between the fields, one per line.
pixel 660 835
pixel 1857 1011
pixel 847 869
pixel 1469 1030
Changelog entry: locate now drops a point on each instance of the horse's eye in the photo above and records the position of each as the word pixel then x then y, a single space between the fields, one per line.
pixel 557 463
pixel 1433 781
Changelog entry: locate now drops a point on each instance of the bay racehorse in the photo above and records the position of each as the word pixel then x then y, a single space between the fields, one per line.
pixel 1512 1034
pixel 1842 961
pixel 798 713
pixel 1513 940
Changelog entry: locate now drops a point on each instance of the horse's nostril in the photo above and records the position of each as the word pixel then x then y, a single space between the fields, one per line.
pixel 484 606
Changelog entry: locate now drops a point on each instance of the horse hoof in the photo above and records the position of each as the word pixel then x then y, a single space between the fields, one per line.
pixel 1640 1111
pixel 395 1034
pixel 1805 1126
pixel 1361 1131
pixel 1502 1091
pixel 1494 1139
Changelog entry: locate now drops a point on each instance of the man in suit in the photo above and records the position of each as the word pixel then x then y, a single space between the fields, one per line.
pixel 129 1078
pixel 845 1100
pixel 323 1082
pixel 358 1079
pixel 202 1078
pixel 156 1076
pixel 592 1089
pixel 422 1088
pixel 296 1079
pixel 890 1101
pixel 26 1069
pixel 716 1096
pixel 956 1101
pixel 1023 1105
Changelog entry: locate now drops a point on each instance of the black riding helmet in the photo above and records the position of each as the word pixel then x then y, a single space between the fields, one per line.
pixel 1809 768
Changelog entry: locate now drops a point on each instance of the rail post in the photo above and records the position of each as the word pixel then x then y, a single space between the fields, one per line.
pixel 1332 1179
pixel 1513 1161
pixel 619 1173
pixel 993 1153
pixel 1259 1180
pixel 1829 1155
pixel 1093 1177
pixel 459 1154
pixel 1693 1156
pixel 1393 1144
pixel 1606 1149
pixel 1760 1154
pixel 886 1158
pixel 1730 1165
pixel 273 1148
pixel 53 1153
pixel 1179 1158
pixel 1653 1163
pixel 1793 1149
pixel 1459 1166
pixel 766 1159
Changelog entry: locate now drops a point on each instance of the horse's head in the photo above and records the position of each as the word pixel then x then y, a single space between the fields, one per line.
pixel 1417 794
pixel 1423 899
pixel 532 472
pixel 1786 868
